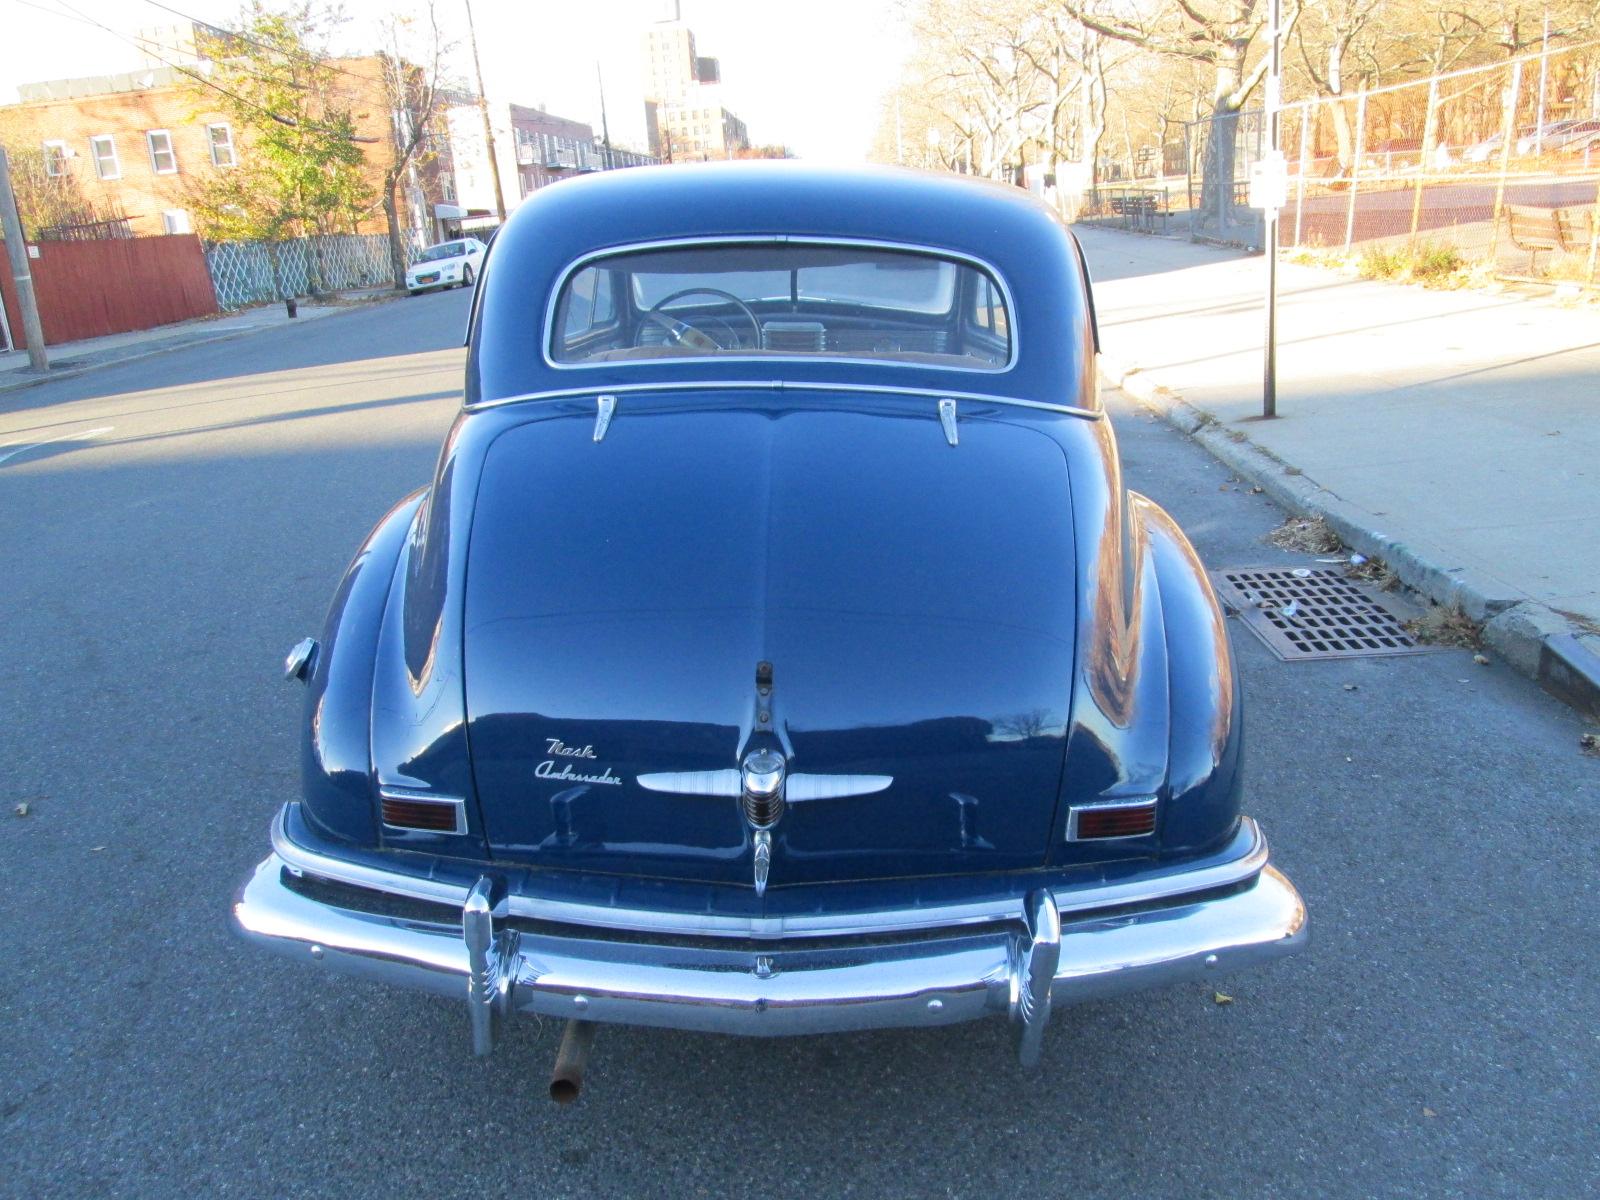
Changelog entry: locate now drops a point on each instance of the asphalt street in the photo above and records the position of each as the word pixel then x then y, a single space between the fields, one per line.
pixel 1440 1038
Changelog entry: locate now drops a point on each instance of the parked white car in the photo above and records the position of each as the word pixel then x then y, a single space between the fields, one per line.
pixel 449 264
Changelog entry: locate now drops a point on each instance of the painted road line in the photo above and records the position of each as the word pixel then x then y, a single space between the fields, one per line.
pixel 10 452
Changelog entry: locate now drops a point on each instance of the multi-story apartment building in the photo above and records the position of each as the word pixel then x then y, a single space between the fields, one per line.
pixel 684 113
pixel 533 148
pixel 143 144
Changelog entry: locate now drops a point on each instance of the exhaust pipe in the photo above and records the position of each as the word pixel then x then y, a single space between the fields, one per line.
pixel 566 1079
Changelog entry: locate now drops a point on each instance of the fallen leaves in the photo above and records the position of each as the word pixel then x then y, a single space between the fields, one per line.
pixel 20 810
pixel 1221 998
pixel 1442 625
pixel 1308 535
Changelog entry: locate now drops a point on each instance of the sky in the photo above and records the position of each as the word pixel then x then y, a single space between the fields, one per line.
pixel 810 75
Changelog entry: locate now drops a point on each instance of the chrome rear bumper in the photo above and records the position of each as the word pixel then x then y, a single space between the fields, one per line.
pixel 1018 967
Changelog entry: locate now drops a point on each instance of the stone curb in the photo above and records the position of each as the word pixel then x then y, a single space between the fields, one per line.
pixel 167 346
pixel 56 376
pixel 1535 639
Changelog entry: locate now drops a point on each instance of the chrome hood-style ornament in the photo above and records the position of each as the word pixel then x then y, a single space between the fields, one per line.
pixel 762 779
pixel 765 788
pixel 761 787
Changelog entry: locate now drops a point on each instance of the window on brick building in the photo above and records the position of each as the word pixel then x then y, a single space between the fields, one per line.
pixel 163 161
pixel 55 158
pixel 176 220
pixel 220 138
pixel 104 149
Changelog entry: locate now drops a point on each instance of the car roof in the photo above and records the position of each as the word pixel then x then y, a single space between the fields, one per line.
pixel 1005 227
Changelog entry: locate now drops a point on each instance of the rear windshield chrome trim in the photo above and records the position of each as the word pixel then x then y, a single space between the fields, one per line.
pixel 1176 883
pixel 781 385
pixel 758 239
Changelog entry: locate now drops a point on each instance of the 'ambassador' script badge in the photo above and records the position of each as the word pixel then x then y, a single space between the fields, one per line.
pixel 564 773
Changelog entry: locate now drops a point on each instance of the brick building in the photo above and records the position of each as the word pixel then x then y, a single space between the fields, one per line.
pixel 143 144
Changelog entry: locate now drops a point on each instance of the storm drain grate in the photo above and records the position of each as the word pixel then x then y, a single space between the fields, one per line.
pixel 1312 612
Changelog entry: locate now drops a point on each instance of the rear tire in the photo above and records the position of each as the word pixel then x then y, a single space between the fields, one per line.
pixel 466 275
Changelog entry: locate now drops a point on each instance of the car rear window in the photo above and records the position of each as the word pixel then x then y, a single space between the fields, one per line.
pixel 782 300
pixel 446 250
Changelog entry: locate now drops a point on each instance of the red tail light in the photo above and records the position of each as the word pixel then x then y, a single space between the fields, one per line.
pixel 1120 819
pixel 436 814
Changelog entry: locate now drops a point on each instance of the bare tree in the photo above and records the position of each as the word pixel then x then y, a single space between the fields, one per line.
pixel 1220 34
pixel 994 87
pixel 413 92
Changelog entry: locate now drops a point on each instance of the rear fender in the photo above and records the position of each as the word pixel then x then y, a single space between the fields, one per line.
pixel 1204 778
pixel 335 757
pixel 1117 739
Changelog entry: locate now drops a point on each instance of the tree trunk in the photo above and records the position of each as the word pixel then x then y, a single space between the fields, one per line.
pixel 397 252
pixel 1216 185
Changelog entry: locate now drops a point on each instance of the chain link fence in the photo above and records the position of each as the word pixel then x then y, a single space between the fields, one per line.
pixel 1498 165
pixel 246 273
pixel 1495 166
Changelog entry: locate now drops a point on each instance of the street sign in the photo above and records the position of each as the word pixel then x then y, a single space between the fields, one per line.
pixel 1269 182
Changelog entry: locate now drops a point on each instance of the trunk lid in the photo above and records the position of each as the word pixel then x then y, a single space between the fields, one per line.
pixel 915 601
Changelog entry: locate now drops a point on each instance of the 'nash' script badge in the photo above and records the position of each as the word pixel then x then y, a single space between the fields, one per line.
pixel 564 773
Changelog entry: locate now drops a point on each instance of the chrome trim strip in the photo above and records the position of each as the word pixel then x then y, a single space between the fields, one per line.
pixel 1069 900
pixel 777 239
pixel 1130 804
pixel 693 783
pixel 833 787
pixel 783 385
pixel 458 805
pixel 947 418
pixel 604 407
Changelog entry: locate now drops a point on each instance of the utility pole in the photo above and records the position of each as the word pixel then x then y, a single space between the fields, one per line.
pixel 17 253
pixel 483 107
pixel 605 127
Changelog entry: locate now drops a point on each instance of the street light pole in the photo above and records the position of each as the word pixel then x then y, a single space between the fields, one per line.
pixel 1269 213
pixel 21 273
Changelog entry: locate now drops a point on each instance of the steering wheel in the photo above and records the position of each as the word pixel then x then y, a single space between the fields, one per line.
pixel 682 333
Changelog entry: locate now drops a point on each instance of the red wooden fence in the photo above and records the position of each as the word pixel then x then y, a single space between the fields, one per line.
pixel 89 289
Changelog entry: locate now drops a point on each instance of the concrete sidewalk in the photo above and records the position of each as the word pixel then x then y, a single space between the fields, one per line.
pixel 73 358
pixel 1454 434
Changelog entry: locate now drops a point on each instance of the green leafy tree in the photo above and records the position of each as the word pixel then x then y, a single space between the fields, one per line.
pixel 300 163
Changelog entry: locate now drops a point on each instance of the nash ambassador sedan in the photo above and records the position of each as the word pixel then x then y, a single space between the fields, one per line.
pixel 776 649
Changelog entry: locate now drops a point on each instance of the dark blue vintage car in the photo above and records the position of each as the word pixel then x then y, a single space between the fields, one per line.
pixel 776 649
